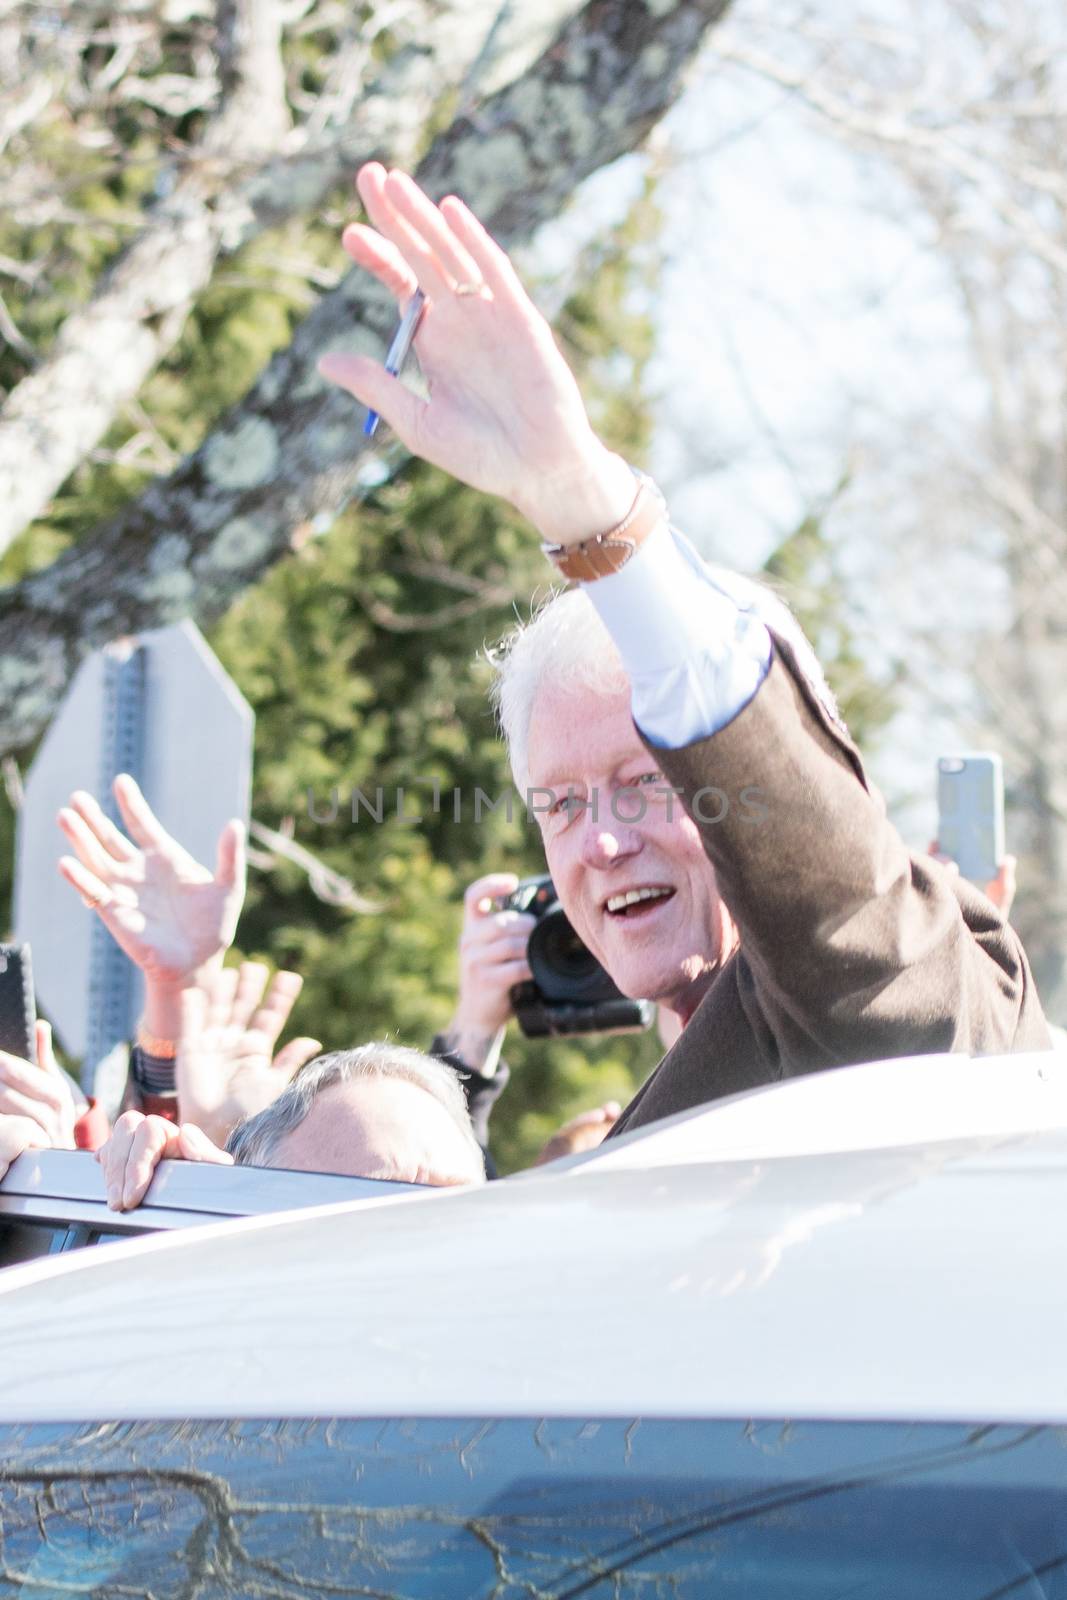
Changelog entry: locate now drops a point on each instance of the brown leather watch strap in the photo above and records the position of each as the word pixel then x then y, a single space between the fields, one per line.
pixel 606 553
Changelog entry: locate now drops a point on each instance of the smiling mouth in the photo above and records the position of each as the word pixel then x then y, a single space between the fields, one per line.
pixel 634 903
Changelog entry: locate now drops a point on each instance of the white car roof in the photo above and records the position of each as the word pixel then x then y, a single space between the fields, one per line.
pixel 710 1278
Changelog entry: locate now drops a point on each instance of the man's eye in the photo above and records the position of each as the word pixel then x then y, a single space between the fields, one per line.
pixel 566 805
pixel 650 778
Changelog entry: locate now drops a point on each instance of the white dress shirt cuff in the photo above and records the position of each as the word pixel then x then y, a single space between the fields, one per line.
pixel 694 658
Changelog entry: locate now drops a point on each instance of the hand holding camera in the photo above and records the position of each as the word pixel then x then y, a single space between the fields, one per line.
pixel 492 960
pixel 519 957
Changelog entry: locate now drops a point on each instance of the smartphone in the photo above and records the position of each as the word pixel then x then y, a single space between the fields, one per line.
pixel 970 813
pixel 18 1010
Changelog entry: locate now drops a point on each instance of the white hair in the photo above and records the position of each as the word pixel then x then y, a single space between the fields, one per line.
pixel 254 1142
pixel 565 643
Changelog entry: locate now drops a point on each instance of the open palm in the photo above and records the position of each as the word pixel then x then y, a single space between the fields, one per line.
pixel 226 1068
pixel 167 912
pixel 505 413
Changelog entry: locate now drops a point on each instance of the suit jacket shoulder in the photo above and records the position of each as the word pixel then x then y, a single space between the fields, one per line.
pixel 852 948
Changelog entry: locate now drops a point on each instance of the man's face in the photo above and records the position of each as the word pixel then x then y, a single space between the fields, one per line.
pixel 667 944
pixel 380 1128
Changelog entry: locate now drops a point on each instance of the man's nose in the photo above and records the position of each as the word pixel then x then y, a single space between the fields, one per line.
pixel 606 841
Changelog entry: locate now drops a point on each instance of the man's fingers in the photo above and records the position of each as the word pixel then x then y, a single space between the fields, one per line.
pixel 508 973
pixel 230 855
pixel 14 1103
pixel 251 982
pixel 87 846
pixel 501 930
pixel 369 383
pixel 95 894
pixel 114 842
pixel 281 997
pixel 372 181
pixel 480 896
pixel 113 1153
pixel 144 826
pixel 426 221
pixel 46 1056
pixel 220 989
pixel 194 1145
pixel 494 264
pixel 154 1141
pixel 29 1079
pixel 597 1115
pixel 294 1055
pixel 382 259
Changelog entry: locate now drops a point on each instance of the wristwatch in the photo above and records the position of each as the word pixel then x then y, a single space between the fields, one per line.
pixel 605 553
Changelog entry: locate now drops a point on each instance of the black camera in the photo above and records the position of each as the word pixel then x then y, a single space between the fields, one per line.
pixel 570 991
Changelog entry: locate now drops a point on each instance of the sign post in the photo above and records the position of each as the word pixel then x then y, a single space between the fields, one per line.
pixel 161 708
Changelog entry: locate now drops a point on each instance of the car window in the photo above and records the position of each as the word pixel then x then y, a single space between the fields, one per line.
pixel 22 1241
pixel 510 1509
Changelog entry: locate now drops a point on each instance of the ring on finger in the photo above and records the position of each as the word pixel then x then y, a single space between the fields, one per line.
pixel 468 288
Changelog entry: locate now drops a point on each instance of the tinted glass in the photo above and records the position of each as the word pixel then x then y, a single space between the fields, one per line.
pixel 529 1509
pixel 22 1241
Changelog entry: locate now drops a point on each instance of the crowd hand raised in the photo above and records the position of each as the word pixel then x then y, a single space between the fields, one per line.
pixel 226 1069
pixel 492 959
pixel 1001 889
pixel 167 912
pixel 504 412
pixel 136 1147
pixel 39 1093
pixel 582 1133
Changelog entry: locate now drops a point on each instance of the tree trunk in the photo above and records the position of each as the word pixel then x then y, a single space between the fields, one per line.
pixel 290 451
pixel 239 181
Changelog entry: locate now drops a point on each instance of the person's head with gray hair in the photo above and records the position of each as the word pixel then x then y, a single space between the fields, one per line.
pixel 626 859
pixel 566 642
pixel 379 1111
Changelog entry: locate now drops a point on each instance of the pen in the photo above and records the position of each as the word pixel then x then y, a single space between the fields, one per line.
pixel 398 350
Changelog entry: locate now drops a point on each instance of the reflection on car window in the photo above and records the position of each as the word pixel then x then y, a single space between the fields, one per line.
pixel 502 1510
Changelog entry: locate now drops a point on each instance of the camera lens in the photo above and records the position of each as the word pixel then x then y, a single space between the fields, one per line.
pixel 564 952
pixel 563 967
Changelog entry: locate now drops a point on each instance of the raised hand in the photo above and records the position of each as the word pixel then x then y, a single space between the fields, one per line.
pixel 504 413
pixel 225 1067
pixel 167 912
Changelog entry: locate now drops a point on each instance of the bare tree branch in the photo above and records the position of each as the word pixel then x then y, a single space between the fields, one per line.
pixel 290 451
pixel 882 127
pixel 255 114
pixel 106 350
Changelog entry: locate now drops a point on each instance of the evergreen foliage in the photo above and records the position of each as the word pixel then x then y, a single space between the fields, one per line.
pixel 361 653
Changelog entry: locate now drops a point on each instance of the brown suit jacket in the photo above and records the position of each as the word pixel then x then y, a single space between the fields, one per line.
pixel 852 949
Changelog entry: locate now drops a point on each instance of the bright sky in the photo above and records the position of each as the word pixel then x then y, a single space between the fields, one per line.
pixel 803 326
